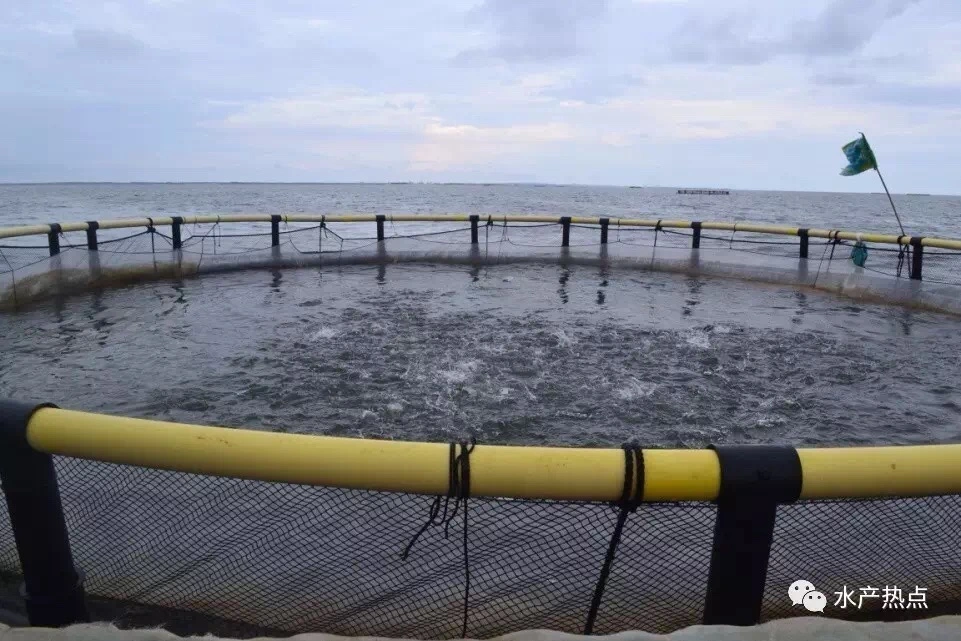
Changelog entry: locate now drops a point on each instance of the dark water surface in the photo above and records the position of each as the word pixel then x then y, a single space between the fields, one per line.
pixel 512 354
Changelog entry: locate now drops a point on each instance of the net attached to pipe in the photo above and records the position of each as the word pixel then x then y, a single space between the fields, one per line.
pixel 203 554
pixel 28 272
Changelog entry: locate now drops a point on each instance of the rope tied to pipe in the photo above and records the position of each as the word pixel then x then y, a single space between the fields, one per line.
pixel 458 488
pixel 151 230
pixel 903 251
pixel 632 495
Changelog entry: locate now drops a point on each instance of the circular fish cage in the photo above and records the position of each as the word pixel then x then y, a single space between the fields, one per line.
pixel 621 519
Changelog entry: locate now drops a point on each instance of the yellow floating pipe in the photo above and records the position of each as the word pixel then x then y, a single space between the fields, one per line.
pixel 122 223
pixel 857 472
pixel 781 230
pixel 226 218
pixel 26 230
pixel 943 243
pixel 65 227
pixel 576 474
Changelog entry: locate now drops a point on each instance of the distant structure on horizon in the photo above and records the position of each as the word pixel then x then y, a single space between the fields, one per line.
pixel 705 192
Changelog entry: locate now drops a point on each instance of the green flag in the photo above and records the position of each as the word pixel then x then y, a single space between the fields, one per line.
pixel 860 157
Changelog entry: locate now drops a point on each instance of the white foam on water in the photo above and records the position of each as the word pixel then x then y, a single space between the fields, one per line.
pixel 699 340
pixel 460 373
pixel 395 407
pixel 323 334
pixel 634 389
pixel 721 329
pixel 769 421
pixel 563 338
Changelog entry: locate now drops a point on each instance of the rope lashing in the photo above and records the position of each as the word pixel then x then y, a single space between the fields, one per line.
pixel 458 488
pixel 632 496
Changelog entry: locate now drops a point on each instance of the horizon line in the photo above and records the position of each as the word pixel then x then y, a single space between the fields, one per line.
pixel 444 183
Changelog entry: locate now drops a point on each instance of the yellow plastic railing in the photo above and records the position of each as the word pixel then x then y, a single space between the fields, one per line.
pixel 782 230
pixel 578 474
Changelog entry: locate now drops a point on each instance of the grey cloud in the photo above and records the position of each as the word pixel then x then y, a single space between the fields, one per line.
pixel 107 44
pixel 838 79
pixel 936 96
pixel 844 27
pixel 595 87
pixel 533 30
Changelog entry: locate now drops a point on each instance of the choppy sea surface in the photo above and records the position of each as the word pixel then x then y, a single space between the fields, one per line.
pixel 540 354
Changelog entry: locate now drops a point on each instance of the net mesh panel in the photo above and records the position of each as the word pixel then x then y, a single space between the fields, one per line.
pixel 28 273
pixel 204 554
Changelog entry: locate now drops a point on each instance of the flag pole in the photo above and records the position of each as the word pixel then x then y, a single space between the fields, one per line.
pixel 890 200
pixel 883 184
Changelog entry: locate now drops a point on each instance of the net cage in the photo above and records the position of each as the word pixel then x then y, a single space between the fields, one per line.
pixel 243 533
pixel 53 260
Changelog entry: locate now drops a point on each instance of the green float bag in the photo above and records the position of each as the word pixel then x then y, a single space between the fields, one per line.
pixel 859 254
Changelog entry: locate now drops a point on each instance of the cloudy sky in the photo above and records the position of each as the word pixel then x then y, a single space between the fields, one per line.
pixel 727 93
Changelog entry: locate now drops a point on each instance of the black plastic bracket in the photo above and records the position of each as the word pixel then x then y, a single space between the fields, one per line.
pixel 175 224
pixel 917 257
pixel 474 219
pixel 803 233
pixel 274 230
pixel 380 226
pixel 53 238
pixel 92 227
pixel 696 240
pixel 755 479
pixel 52 587
pixel 566 233
pixel 605 224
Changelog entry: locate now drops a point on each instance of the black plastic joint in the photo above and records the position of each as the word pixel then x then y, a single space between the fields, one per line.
pixel 380 226
pixel 754 481
pixel 53 238
pixel 696 240
pixel 803 233
pixel 14 417
pixel 605 224
pixel 566 233
pixel 474 219
pixel 771 472
pixel 275 230
pixel 92 227
pixel 175 223
pixel 917 259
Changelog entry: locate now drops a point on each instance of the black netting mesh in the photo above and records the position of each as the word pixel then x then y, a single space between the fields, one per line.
pixel 202 554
